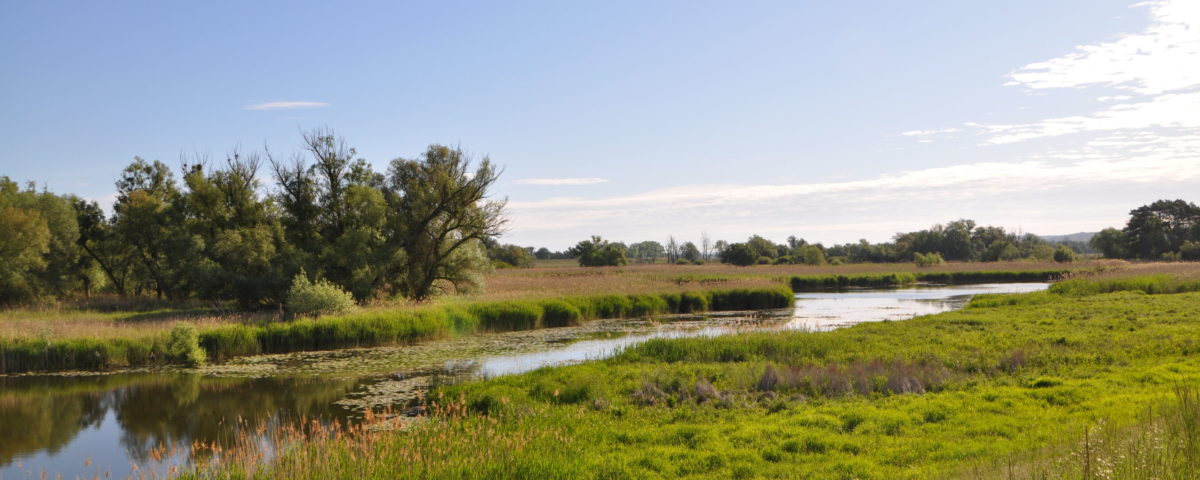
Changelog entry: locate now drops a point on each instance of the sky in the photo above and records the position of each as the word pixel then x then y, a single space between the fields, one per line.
pixel 635 120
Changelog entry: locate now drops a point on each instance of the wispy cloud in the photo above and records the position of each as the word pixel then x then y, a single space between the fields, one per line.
pixel 283 105
pixel 844 211
pixel 560 181
pixel 1152 62
pixel 1174 110
pixel 934 131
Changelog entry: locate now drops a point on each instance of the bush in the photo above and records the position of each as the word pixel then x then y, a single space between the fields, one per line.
pixel 183 345
pixel 308 298
pixel 928 259
pixel 764 260
pixel 1064 254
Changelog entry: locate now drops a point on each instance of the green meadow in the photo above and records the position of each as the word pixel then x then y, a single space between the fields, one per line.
pixel 1093 379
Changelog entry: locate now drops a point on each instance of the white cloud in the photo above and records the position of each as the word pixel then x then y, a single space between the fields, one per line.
pixel 1017 192
pixel 1114 98
pixel 1161 59
pixel 1175 110
pixel 283 105
pixel 560 181
pixel 935 131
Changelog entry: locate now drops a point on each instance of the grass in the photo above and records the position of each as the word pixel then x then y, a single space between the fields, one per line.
pixel 372 327
pixel 1011 380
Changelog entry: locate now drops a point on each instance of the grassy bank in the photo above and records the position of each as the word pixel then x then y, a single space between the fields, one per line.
pixel 998 383
pixel 373 327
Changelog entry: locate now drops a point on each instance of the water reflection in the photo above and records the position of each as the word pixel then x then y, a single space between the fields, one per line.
pixel 59 423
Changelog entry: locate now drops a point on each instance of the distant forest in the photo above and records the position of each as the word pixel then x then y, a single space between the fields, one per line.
pixel 1166 230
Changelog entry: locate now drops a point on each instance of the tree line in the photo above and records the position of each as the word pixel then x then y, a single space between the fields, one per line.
pixel 1163 230
pixel 416 230
pixel 959 240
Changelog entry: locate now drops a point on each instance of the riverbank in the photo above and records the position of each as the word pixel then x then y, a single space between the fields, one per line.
pixel 371 328
pixel 945 396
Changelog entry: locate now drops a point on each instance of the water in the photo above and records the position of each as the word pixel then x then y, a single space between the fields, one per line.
pixel 127 424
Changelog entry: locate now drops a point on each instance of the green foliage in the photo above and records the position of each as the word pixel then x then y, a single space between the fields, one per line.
pixel 928 259
pixel 183 345
pixel 598 252
pixel 509 256
pixel 308 298
pixel 38 251
pixel 1064 254
pixel 739 254
pixel 211 234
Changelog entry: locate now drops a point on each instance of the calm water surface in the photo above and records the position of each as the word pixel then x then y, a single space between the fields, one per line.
pixel 130 424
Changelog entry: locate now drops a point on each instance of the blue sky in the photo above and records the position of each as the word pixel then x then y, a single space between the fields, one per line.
pixel 832 121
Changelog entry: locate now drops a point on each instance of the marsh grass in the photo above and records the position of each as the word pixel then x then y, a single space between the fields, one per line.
pixel 1160 442
pixel 370 328
pixel 1011 380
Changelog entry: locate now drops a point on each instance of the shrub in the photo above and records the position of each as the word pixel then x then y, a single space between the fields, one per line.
pixel 764 260
pixel 928 259
pixel 183 345
pixel 1064 254
pixel 317 298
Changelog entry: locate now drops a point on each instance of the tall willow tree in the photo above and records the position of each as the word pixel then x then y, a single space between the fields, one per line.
pixel 442 215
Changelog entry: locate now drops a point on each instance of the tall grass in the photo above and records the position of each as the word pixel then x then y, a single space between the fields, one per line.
pixel 1162 442
pixel 1149 284
pixel 374 327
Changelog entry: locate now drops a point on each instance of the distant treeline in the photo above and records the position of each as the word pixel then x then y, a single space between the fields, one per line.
pixel 1164 230
pixel 416 230
pixel 960 240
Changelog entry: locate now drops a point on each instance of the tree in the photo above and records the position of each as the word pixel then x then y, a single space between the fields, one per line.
pixel 646 251
pixel 1161 228
pixel 762 247
pixel 100 244
pixel 705 246
pixel 509 255
pixel 1111 243
pixel 24 239
pixel 543 253
pixel 719 247
pixel 690 253
pixel 672 249
pixel 739 254
pixel 598 252
pixel 441 216
pixel 146 217
pixel 810 255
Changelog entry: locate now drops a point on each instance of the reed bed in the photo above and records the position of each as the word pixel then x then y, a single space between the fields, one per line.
pixel 372 328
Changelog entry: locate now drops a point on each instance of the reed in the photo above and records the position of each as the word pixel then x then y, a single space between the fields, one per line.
pixel 373 328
